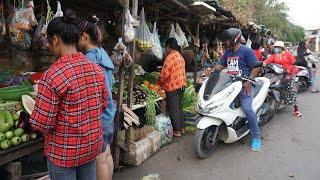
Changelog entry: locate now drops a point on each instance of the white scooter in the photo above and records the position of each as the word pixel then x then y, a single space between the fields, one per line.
pixel 222 116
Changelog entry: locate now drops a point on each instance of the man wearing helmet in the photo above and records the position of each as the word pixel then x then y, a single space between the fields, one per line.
pixel 241 60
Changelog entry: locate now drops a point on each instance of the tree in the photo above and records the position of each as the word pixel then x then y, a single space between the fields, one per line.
pixel 271 13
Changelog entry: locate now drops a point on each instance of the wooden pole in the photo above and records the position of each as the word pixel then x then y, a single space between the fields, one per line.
pixel 120 100
pixel 196 50
pixel 131 79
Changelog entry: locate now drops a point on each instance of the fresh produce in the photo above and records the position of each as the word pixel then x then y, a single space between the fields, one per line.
pixel 2 116
pixel 150 113
pixel 33 135
pixel 190 99
pixel 139 95
pixel 9 118
pixel 18 80
pixel 2 137
pixel 4 127
pixel 16 141
pixel 25 138
pixel 155 88
pixel 18 132
pixel 2 120
pixel 5 144
pixel 14 93
pixel 9 134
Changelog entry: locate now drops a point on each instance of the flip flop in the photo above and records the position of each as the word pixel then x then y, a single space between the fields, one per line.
pixel 177 134
pixel 297 113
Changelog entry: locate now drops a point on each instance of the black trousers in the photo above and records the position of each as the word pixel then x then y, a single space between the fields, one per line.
pixel 175 108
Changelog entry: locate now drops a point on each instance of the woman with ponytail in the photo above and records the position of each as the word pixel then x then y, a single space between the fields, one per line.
pixel 71 98
pixel 89 43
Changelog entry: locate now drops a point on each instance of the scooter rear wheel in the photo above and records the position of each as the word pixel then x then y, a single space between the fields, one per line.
pixel 205 141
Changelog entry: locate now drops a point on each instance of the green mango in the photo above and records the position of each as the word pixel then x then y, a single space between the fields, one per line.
pixel 9 134
pixel 2 137
pixel 5 144
pixel 15 117
pixel 25 138
pixel 5 127
pixel 18 132
pixel 16 141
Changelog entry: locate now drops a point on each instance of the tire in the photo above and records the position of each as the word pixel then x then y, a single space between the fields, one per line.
pixel 205 141
pixel 269 114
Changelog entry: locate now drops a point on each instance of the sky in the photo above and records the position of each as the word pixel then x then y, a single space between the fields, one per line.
pixel 305 13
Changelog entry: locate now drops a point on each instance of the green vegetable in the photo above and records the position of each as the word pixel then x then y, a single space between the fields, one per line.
pixel 5 144
pixel 15 117
pixel 25 138
pixel 150 110
pixel 9 117
pixel 2 137
pixel 16 141
pixel 190 99
pixel 18 132
pixel 9 134
pixel 5 127
pixel 2 117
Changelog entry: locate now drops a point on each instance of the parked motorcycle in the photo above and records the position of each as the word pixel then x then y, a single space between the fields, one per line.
pixel 302 79
pixel 222 116
pixel 277 76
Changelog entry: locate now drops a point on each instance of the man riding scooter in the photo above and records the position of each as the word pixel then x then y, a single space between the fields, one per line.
pixel 241 60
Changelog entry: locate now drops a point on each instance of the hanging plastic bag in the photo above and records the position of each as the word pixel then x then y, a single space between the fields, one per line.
pixel 173 34
pixel 120 55
pixel 59 12
pixel 163 125
pixel 143 36
pixel 183 39
pixel 156 49
pixel 39 37
pixel 28 13
pixel 128 27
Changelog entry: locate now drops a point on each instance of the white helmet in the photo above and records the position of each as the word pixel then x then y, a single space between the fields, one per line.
pixel 279 44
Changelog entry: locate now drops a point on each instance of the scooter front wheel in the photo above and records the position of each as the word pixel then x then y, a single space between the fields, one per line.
pixel 205 141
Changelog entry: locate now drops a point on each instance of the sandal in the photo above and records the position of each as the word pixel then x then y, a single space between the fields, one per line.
pixel 177 133
pixel 297 113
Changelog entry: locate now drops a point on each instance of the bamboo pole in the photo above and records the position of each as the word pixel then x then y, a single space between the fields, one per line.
pixel 120 100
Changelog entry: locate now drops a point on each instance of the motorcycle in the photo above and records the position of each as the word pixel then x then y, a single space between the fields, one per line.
pixel 302 79
pixel 276 74
pixel 221 115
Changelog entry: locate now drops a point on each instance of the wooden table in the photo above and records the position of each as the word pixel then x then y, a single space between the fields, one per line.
pixel 17 152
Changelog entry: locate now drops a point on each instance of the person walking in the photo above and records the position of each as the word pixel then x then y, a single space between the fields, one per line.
pixel 71 97
pixel 173 80
pixel 287 61
pixel 89 43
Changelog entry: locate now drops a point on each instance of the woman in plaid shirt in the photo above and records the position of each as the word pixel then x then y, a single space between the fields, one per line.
pixel 71 98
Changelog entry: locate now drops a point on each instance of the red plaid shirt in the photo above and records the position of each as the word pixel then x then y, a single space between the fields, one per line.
pixel 71 97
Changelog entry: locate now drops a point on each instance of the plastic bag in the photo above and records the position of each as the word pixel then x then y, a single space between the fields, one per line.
pixel 128 28
pixel 59 12
pixel 39 37
pixel 163 125
pixel 143 35
pixel 183 39
pixel 156 49
pixel 173 34
pixel 120 55
pixel 22 40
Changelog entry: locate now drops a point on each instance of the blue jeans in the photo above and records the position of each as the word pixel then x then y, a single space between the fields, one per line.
pixel 84 172
pixel 311 77
pixel 246 105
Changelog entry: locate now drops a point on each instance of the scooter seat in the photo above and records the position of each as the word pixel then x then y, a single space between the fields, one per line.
pixel 257 87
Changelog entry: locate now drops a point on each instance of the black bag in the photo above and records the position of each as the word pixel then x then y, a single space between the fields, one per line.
pixel 301 61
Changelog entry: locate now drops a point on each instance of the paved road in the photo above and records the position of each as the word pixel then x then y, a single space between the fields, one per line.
pixel 290 146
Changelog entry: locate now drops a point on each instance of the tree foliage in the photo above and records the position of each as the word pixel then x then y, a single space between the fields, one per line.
pixel 271 13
